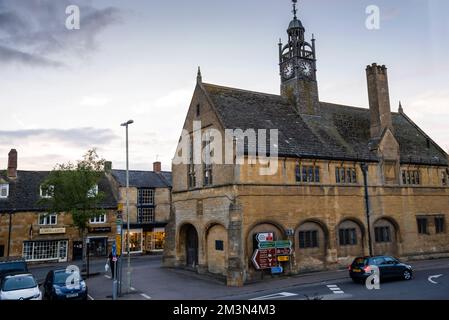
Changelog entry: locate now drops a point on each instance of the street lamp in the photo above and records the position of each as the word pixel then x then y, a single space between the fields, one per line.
pixel 128 271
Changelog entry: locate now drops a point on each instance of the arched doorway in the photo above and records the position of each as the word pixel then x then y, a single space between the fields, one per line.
pixel 217 249
pixel 385 237
pixel 191 246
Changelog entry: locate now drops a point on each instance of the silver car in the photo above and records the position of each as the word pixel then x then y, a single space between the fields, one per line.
pixel 19 286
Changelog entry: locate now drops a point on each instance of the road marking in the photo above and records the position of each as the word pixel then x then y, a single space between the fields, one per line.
pixel 133 289
pixel 109 277
pixel 90 297
pixel 145 296
pixel 335 289
pixel 434 277
pixel 275 296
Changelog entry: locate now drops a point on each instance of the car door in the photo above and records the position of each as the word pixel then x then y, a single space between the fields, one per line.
pixel 389 267
pixel 379 262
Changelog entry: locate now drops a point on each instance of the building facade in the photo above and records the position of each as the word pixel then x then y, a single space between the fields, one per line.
pixel 27 229
pixel 347 182
pixel 149 206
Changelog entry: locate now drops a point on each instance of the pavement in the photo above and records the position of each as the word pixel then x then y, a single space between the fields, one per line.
pixel 149 281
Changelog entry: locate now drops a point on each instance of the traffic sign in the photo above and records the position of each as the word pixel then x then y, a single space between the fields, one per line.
pixel 283 251
pixel 118 222
pixel 118 243
pixel 264 258
pixel 276 270
pixel 283 244
pixel 267 245
pixel 114 250
pixel 283 258
pixel 265 236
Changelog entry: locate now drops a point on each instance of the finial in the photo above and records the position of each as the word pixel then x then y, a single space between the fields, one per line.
pixel 294 8
pixel 401 110
pixel 199 77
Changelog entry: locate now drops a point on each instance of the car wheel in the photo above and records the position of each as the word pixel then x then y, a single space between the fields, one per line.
pixel 407 275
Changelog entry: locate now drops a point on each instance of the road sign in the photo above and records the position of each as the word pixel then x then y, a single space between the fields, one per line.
pixel 265 236
pixel 276 270
pixel 267 245
pixel 118 222
pixel 264 258
pixel 283 258
pixel 119 229
pixel 283 244
pixel 118 244
pixel 114 250
pixel 283 251
pixel 120 207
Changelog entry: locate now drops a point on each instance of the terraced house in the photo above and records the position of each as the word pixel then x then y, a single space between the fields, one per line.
pixel 350 180
pixel 27 229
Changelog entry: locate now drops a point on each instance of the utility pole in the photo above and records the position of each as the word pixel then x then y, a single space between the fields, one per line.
pixel 364 167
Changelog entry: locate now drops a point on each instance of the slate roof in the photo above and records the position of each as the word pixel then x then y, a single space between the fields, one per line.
pixel 24 192
pixel 144 179
pixel 341 133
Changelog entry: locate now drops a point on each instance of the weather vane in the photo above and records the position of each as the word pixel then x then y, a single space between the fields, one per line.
pixel 294 7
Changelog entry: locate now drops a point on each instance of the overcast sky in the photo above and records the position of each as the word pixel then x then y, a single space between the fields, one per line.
pixel 65 91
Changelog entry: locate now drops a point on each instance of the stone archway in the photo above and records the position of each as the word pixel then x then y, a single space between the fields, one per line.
pixel 217 249
pixel 311 244
pixel 350 239
pixel 385 237
pixel 188 245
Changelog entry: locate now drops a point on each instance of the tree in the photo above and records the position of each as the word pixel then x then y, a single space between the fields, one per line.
pixel 73 189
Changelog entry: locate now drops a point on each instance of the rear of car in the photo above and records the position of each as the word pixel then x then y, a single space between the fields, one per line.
pixel 60 285
pixel 19 286
pixel 360 269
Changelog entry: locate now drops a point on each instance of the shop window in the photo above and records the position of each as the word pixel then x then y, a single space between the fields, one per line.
pixel 308 239
pixel 98 247
pixel 422 225
pixel 219 245
pixel 382 234
pixel 156 240
pixel 348 237
pixel 135 241
pixel 45 250
pixel 439 224
pixel 48 219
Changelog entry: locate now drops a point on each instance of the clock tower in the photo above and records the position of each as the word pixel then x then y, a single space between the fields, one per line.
pixel 297 62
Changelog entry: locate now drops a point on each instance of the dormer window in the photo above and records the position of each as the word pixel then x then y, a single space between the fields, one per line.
pixel 4 191
pixel 93 192
pixel 47 192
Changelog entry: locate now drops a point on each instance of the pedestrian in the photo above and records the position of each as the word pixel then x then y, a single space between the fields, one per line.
pixel 111 264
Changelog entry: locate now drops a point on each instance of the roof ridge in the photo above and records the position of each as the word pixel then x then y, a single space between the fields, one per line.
pixel 242 90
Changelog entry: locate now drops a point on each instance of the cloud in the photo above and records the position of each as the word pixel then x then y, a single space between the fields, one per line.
pixel 33 32
pixel 78 137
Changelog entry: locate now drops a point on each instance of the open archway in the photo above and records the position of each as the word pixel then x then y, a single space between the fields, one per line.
pixel 188 245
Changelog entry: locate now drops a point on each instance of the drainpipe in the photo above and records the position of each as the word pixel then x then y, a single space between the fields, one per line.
pixel 364 167
pixel 9 234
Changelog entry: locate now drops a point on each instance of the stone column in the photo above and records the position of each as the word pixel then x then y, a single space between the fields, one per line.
pixel 236 266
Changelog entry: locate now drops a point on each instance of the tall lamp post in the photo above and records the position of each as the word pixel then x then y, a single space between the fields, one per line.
pixel 364 167
pixel 128 271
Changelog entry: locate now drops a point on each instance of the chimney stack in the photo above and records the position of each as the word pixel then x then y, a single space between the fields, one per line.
pixel 12 164
pixel 379 99
pixel 157 166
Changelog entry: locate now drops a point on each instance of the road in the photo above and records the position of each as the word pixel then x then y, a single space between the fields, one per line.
pixel 150 281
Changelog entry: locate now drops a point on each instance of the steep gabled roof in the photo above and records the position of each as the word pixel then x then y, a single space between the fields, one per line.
pixel 144 179
pixel 342 132
pixel 24 192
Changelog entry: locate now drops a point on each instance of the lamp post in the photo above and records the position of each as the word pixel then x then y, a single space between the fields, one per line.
pixel 128 271
pixel 364 167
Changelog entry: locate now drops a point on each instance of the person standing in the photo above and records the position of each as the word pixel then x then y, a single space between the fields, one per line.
pixel 111 264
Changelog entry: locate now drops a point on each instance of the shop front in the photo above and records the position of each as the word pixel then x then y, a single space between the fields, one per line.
pixel 154 240
pixel 135 241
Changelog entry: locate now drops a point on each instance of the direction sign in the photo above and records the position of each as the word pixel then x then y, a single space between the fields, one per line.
pixel 267 245
pixel 283 258
pixel 276 270
pixel 283 251
pixel 264 258
pixel 283 244
pixel 118 243
pixel 265 236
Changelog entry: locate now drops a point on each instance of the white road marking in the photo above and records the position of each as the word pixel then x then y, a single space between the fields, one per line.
pixel 275 296
pixel 90 297
pixel 434 277
pixel 106 276
pixel 145 296
pixel 335 289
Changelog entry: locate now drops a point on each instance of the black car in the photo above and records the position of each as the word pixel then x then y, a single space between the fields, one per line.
pixel 11 265
pixel 55 286
pixel 389 267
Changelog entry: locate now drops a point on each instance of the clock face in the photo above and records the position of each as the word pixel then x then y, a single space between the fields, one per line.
pixel 288 70
pixel 306 68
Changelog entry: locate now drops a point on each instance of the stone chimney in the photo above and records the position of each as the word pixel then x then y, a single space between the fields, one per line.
pixel 379 99
pixel 12 164
pixel 157 166
pixel 107 166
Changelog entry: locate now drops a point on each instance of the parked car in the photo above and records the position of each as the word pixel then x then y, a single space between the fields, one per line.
pixel 56 288
pixel 19 286
pixel 12 264
pixel 389 267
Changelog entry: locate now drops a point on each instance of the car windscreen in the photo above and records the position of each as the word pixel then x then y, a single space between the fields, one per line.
pixel 360 262
pixel 18 283
pixel 60 277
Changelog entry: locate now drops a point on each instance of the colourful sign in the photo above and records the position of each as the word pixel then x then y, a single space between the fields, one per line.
pixel 267 245
pixel 283 258
pixel 283 251
pixel 265 236
pixel 264 258
pixel 283 244
pixel 276 270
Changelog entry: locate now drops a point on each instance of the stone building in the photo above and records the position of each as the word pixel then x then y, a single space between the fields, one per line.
pixel 27 229
pixel 318 198
pixel 149 206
